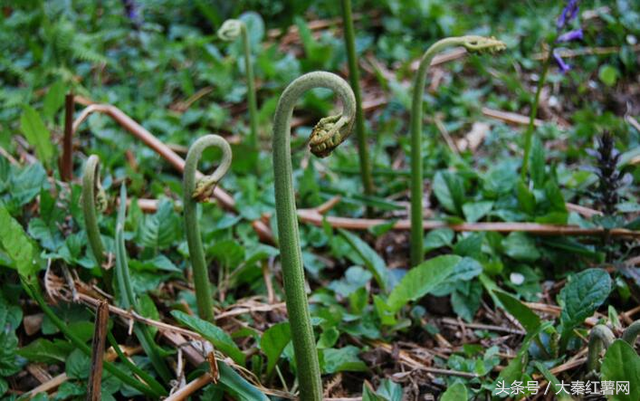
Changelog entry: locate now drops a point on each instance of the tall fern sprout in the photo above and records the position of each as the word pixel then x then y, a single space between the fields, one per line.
pixel 196 190
pixel 474 44
pixel 354 79
pixel 229 31
pixel 325 137
pixel 94 200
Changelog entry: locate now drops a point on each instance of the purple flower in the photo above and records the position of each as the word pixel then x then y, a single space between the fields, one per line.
pixel 564 67
pixel 568 14
pixel 571 36
pixel 131 11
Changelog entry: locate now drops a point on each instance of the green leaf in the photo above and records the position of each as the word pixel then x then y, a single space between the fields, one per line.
pixel 449 189
pixel 438 238
pixel 343 360
pixel 537 162
pixel 420 280
pixel 474 211
pixel 608 74
pixel 53 100
pixel 527 318
pixel 45 351
pixel 520 246
pixel 273 342
pixel 466 303
pixel 622 364
pixel 212 333
pixel 78 365
pixel 17 245
pixel 161 229
pixel 244 390
pixel 371 259
pixel 526 199
pixel 552 379
pixel 9 361
pixel 457 392
pixel 389 390
pixel 37 134
pixel 582 296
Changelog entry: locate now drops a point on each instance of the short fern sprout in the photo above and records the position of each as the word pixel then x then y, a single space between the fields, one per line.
pixel 94 201
pixel 197 189
pixel 326 136
pixel 475 44
pixel 231 30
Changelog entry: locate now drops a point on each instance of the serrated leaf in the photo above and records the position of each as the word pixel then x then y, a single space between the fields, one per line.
pixel 9 361
pixel 212 333
pixel 161 229
pixel 582 296
pixel 622 364
pixel 37 134
pixel 422 279
pixel 273 342
pixel 371 259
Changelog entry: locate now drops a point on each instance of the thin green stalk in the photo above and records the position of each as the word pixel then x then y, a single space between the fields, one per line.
pixel 229 31
pixel 528 137
pixel 92 193
pixel 146 377
pixel 194 191
pixel 124 377
pixel 600 338
pixel 354 80
pixel 472 44
pixel 326 136
pixel 127 296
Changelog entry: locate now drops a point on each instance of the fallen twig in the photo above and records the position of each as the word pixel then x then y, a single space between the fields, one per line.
pixel 97 352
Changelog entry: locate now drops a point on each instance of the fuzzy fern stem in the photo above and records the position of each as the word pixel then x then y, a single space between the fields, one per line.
pixel 93 200
pixel 600 339
pixel 354 80
pixel 472 44
pixel 230 31
pixel 194 191
pixel 326 136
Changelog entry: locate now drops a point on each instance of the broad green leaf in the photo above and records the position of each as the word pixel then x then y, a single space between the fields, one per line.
pixel 371 259
pixel 457 392
pixel 17 245
pixel 608 74
pixel 466 303
pixel 420 280
pixel 520 246
pixel 37 134
pixel 212 333
pixel 273 342
pixel 474 211
pixel 9 362
pixel 343 360
pixel 46 351
pixel 78 365
pixel 526 199
pixel 622 364
pixel 389 390
pixel 582 296
pixel 527 318
pixel 159 230
pixel 438 238
pixel 449 189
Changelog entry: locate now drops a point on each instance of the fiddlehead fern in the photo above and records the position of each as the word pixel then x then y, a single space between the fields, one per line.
pixel 194 191
pixel 326 136
pixel 229 31
pixel 94 200
pixel 600 339
pixel 472 44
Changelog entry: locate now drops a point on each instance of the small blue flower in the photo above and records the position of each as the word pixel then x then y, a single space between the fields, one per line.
pixel 568 14
pixel 571 36
pixel 564 67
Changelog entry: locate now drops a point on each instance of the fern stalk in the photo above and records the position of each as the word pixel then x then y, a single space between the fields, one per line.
pixel 472 44
pixel 229 31
pixel 326 136
pixel 354 80
pixel 194 191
